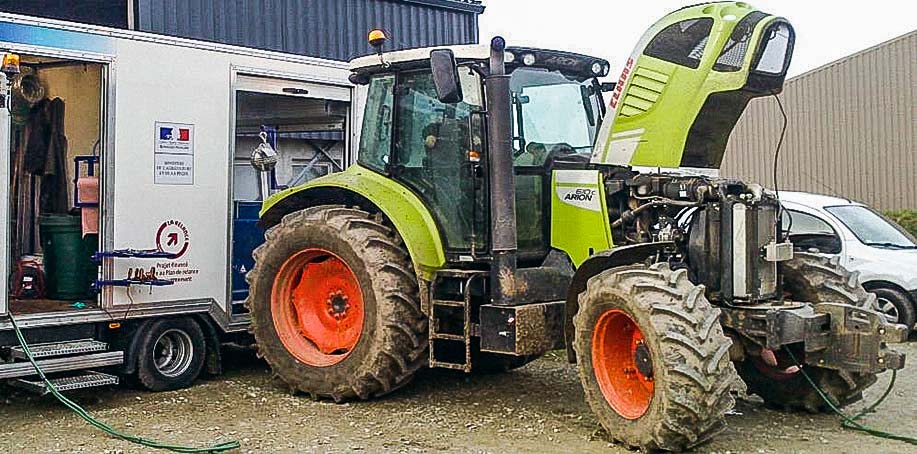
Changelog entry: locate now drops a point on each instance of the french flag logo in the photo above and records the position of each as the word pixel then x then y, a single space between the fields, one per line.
pixel 175 134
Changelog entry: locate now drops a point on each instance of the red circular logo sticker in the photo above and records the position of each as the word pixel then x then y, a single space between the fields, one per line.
pixel 173 237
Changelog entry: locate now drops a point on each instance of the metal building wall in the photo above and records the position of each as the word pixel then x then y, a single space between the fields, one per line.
pixel 109 13
pixel 333 29
pixel 851 130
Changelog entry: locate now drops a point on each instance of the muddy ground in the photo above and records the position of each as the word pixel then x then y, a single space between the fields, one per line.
pixel 538 408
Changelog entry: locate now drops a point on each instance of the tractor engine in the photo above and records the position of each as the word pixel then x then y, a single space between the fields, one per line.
pixel 725 232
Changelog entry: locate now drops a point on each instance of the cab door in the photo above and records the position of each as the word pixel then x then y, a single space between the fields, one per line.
pixel 437 152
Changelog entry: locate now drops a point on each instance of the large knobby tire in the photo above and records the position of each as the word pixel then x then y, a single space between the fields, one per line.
pixel 334 305
pixel 170 354
pixel 653 358
pixel 816 279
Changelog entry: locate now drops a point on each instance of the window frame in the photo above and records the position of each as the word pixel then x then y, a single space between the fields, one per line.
pixel 682 60
pixel 385 169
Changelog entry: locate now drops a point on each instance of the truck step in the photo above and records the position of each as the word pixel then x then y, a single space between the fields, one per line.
pixel 89 379
pixel 52 349
pixel 52 365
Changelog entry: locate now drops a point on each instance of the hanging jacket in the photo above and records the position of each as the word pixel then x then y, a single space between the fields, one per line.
pixel 46 155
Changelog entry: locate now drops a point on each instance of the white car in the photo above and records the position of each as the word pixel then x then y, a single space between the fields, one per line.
pixel 882 252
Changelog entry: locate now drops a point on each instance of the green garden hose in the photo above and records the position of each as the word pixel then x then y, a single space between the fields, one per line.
pixel 220 447
pixel 851 422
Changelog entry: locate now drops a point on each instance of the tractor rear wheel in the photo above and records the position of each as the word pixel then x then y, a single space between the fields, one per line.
pixel 653 358
pixel 815 279
pixel 334 305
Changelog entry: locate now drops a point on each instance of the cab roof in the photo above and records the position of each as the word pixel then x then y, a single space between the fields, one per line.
pixel 570 63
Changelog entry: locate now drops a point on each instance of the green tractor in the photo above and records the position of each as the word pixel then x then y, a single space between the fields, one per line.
pixel 497 212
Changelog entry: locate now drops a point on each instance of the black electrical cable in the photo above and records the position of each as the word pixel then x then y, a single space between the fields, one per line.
pixel 851 422
pixel 776 163
pixel 217 448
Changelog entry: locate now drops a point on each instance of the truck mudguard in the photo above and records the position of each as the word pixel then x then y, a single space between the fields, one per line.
pixel 410 217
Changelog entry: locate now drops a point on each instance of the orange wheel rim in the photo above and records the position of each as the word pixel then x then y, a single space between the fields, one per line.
pixel 317 307
pixel 622 364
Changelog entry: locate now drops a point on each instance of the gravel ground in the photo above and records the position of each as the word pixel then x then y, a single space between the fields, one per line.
pixel 538 408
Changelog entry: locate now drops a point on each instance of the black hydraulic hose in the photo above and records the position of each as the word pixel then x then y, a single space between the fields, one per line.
pixel 657 202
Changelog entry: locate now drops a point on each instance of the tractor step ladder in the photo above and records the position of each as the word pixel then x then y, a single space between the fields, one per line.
pixel 451 324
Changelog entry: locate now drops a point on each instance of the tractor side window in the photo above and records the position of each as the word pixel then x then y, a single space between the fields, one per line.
pixel 733 54
pixel 376 141
pixel 681 43
pixel 432 153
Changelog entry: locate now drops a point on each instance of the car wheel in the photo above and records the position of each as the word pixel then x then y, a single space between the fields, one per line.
pixel 896 306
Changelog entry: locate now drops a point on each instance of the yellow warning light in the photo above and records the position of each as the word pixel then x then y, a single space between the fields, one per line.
pixel 114 325
pixel 10 64
pixel 377 38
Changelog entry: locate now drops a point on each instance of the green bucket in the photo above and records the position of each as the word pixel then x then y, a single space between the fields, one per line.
pixel 69 270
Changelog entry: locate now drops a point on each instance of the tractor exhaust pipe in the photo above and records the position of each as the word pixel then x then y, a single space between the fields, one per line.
pixel 502 183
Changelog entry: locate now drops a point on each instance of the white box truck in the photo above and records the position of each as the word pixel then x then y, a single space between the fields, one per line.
pixel 129 205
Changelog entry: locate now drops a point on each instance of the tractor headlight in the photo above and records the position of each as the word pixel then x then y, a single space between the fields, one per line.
pixel 509 57
pixel 528 59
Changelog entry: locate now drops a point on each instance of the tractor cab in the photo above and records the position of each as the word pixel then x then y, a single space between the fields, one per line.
pixel 425 127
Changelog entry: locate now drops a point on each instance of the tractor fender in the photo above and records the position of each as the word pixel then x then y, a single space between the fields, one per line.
pixel 611 258
pixel 358 186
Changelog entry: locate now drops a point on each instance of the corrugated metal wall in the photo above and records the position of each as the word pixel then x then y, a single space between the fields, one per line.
pixel 110 13
pixel 333 29
pixel 851 130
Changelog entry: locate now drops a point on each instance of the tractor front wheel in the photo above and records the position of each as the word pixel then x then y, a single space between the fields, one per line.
pixel 334 305
pixel 653 358
pixel 815 279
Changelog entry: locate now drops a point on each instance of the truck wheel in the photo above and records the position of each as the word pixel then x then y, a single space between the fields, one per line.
pixel 653 358
pixel 816 279
pixel 896 306
pixel 334 305
pixel 171 354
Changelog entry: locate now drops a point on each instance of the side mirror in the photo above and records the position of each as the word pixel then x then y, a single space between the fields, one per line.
pixel 445 76
pixel 608 87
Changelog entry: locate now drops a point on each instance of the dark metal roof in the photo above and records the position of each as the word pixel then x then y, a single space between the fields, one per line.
pixel 474 6
pixel 109 13
pixel 334 29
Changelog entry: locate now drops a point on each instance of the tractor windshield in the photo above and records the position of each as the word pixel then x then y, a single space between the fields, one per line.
pixel 553 115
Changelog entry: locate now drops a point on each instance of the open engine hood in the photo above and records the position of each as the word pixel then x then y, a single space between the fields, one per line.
pixel 687 83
